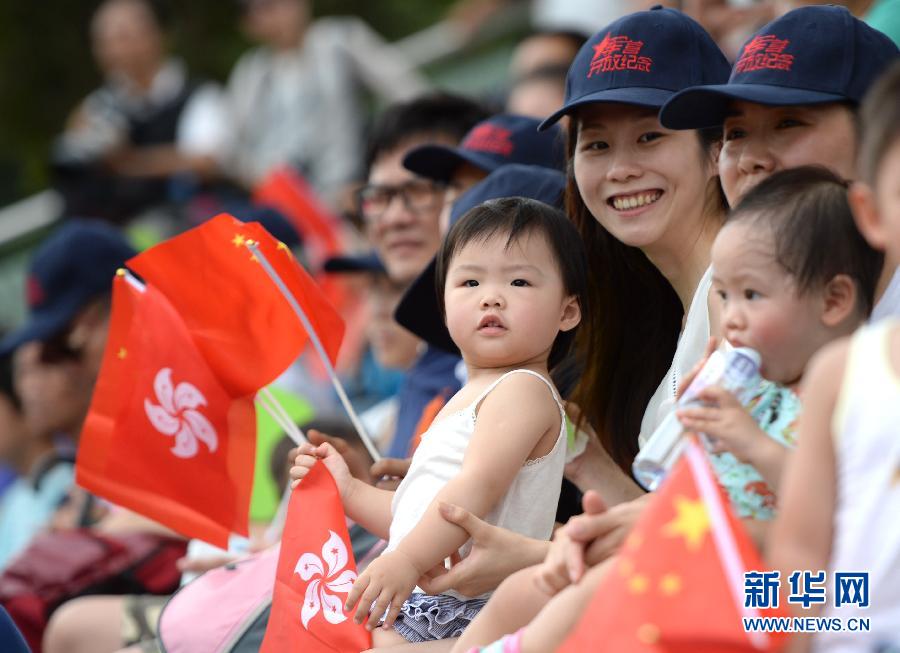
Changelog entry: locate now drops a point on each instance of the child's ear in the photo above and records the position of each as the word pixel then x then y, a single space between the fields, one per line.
pixel 571 314
pixel 865 212
pixel 840 300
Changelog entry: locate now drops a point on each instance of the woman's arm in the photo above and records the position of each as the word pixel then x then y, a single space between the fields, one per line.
pixel 594 469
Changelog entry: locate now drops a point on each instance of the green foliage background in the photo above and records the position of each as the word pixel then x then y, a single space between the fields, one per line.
pixel 46 65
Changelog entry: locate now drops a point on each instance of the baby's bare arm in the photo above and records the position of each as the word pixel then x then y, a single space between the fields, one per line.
pixel 512 421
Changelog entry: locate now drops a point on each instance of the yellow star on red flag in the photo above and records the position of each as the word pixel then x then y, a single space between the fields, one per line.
pixel 691 522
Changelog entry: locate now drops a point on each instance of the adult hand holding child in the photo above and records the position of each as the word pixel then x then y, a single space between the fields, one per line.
pixel 496 554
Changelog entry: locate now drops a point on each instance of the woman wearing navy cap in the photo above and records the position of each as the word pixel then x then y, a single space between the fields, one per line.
pixel 790 101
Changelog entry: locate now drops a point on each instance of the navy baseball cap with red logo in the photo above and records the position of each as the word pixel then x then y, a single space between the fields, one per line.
pixel 812 55
pixel 497 141
pixel 643 59
pixel 73 266
pixel 419 310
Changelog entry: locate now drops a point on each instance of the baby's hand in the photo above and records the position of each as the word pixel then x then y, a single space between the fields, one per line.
pixel 307 455
pixel 387 581
pixel 727 422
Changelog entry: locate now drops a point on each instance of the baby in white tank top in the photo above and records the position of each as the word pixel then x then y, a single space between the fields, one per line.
pixel 513 274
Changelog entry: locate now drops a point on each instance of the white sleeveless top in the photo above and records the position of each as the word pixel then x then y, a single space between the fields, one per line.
pixel 529 505
pixel 889 304
pixel 691 347
pixel 866 427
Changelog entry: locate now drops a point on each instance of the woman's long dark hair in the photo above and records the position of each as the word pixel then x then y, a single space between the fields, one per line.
pixel 627 342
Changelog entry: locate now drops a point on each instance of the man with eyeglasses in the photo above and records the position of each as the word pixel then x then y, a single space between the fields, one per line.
pixel 401 212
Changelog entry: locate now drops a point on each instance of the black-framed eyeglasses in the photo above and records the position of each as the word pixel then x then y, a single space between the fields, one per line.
pixel 416 194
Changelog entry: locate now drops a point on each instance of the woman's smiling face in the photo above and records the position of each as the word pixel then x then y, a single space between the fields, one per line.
pixel 643 183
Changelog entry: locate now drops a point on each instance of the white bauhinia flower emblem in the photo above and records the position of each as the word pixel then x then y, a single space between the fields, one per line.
pixel 177 415
pixel 338 579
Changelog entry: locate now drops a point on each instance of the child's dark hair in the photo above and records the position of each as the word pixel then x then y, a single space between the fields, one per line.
pixel 812 225
pixel 879 122
pixel 518 217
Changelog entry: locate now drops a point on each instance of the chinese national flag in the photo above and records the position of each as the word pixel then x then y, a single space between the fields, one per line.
pixel 315 573
pixel 164 437
pixel 677 584
pixel 242 325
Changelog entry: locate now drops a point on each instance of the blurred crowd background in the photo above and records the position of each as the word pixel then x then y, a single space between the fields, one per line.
pixel 63 64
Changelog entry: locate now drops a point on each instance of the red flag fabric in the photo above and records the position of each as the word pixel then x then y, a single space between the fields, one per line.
pixel 163 436
pixel 677 584
pixel 287 191
pixel 241 323
pixel 315 573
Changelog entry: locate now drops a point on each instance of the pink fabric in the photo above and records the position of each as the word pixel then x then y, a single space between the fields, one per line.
pixel 207 614
pixel 513 643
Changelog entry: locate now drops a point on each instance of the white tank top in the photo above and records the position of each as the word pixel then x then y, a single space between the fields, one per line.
pixel 889 304
pixel 866 427
pixel 529 505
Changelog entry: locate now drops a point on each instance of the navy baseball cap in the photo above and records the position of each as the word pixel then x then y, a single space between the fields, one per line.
pixel 643 59
pixel 368 262
pixel 419 310
pixel 811 55
pixel 497 141
pixel 73 266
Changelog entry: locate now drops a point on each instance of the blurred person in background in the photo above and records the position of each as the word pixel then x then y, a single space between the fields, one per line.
pixel 45 470
pixel 500 140
pixel 56 358
pixel 149 124
pixel 391 349
pixel 297 98
pixel 537 72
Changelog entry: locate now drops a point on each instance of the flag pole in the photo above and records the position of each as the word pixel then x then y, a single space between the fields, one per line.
pixel 722 536
pixel 317 344
pixel 267 400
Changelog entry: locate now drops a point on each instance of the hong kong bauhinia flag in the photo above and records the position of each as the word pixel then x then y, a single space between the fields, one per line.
pixel 163 436
pixel 315 573
pixel 171 429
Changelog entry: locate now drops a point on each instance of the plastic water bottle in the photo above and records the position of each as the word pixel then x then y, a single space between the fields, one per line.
pixel 736 371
